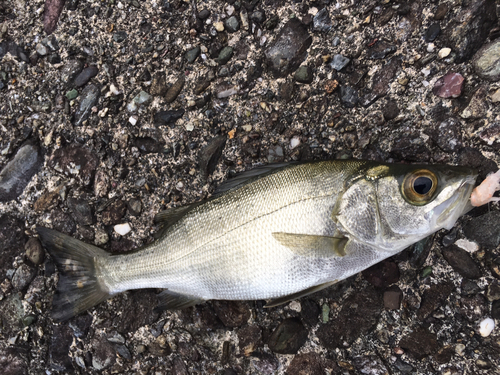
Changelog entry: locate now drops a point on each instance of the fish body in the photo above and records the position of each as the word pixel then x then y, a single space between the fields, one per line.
pixel 278 233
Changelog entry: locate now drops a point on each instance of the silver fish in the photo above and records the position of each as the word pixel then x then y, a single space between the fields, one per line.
pixel 277 233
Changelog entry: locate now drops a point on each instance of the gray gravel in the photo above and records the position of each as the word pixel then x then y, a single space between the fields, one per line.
pixel 130 107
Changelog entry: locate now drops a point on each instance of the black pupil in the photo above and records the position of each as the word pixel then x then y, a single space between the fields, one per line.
pixel 422 185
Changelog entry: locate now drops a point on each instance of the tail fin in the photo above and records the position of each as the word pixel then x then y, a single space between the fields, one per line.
pixel 79 287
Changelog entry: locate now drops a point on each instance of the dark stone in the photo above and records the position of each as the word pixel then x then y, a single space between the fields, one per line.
pixel 147 145
pixel 47 201
pixel 339 62
pixel 493 292
pixel 22 277
pixel 17 173
pixel 390 110
pixel 285 54
pixel 192 54
pixel 469 29
pixel 249 339
pixel 86 75
pixel 382 274
pixel 52 11
pixel 393 297
pixel 34 251
pixel 370 364
pixel 304 74
pixel 461 262
pixel 432 32
pixel 80 325
pixel 201 86
pixel 232 313
pixel 75 161
pixel 495 310
pixel 322 21
pixel 287 90
pixel 81 211
pixel 62 222
pixel 159 84
pixel 88 99
pixel 380 50
pixel 258 16
pixel 441 11
pixel 232 24
pixel 120 36
pixel 469 287
pixel 359 314
pixel 134 207
pixel 433 298
pixel 11 314
pixel 348 96
pixel 449 86
pixel 210 154
pixel 474 308
pixel 485 230
pixel 420 343
pixel 444 355
pixel 203 14
pixel 309 312
pixel 225 55
pixel 59 347
pixel 114 213
pixel 265 364
pixel 383 78
pixel 306 363
pixel 175 89
pixel 402 366
pixel 168 117
pixel 288 337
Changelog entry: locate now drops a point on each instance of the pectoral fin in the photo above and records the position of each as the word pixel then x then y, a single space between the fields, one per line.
pixel 308 245
pixel 302 293
pixel 168 300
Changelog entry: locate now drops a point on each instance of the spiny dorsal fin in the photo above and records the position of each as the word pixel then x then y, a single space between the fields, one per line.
pixel 312 246
pixel 245 177
pixel 302 293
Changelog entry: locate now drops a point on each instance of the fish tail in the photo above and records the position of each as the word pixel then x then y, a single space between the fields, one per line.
pixel 79 287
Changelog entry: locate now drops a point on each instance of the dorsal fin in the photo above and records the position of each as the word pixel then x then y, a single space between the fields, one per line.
pixel 251 175
pixel 169 217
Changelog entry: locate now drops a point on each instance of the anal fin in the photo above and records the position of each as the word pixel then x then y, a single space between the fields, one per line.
pixel 169 300
pixel 312 246
pixel 302 293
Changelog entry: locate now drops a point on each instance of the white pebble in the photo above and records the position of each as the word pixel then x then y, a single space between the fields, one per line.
pixel 444 52
pixel 133 120
pixel 122 229
pixel 486 327
pixel 430 47
pixel 294 142
pixel 467 245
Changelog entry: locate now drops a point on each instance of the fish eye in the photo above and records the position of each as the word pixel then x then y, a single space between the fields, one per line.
pixel 419 186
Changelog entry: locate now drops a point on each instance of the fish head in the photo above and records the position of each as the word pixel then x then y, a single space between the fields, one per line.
pixel 393 206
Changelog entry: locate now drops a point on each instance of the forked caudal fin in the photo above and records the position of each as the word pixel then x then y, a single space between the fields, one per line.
pixel 79 287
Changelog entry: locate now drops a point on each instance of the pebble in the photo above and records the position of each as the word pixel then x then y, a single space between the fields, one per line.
pixel 232 313
pixel 122 229
pixel 382 274
pixel 493 292
pixel 18 172
pixel 304 74
pixel 486 326
pixel 81 210
pixel 432 32
pixel 41 49
pixel 22 277
pixel 250 339
pixel 258 16
pixel 441 11
pixel 444 52
pixel 433 298
pixel 285 54
pixel 72 94
pixel 219 26
pixel 159 84
pixel 380 50
pixel 392 298
pixel 486 61
pixel 477 106
pixel 133 119
pixel 322 21
pixel 34 251
pixel 288 337
pixel 192 54
pixel 232 24
pixel 449 86
pixel 75 161
pixel 209 155
pixel 461 262
pixel 89 98
pixel 383 78
pixel 175 89
pixel 420 343
pixel 484 230
pixel 339 62
pixel 225 55
pixel 120 36
pixel 70 70
pixel 168 117
pixel 469 246
pixel 348 96
pixel 85 75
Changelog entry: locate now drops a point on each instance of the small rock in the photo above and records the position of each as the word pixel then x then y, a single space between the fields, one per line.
pixel 210 154
pixel 432 32
pixel 382 274
pixel 86 75
pixel 142 98
pixel 175 89
pixel 486 327
pixel 487 61
pixel 306 363
pixel 288 337
pixel 34 251
pixel 444 52
pixel 47 201
pixel 441 11
pixel 60 342
pixel 383 78
pixel 433 298
pixel 232 24
pixel 168 117
pixel 304 74
pixel 249 339
pixel 289 48
pixel 339 62
pixel 322 21
pixel 114 213
pixel 484 230
pixel 348 96
pixel 159 84
pixel 134 207
pixel 122 229
pixel 449 86
pixel 120 36
pixel 72 94
pixel 461 262
pixel 474 307
pixel 89 98
pixel 225 55
pixel 81 211
pixel 258 16
pixel 104 355
pixel 390 110
pixel 203 14
pixel 380 50
pixel 18 172
pixel 22 277
pixel 371 365
pixel 392 298
pixel 75 161
pixel 192 54
pixel 420 343
pixel 232 313
pixel 495 310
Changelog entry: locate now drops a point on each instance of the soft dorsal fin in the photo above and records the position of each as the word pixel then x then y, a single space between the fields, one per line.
pixel 312 246
pixel 251 175
pixel 302 293
pixel 169 217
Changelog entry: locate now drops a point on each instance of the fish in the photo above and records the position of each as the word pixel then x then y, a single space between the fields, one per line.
pixel 274 233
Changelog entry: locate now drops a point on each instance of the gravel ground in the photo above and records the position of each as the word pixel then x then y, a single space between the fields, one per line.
pixel 114 110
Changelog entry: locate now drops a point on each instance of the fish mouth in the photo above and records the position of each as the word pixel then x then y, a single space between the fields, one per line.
pixel 445 214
